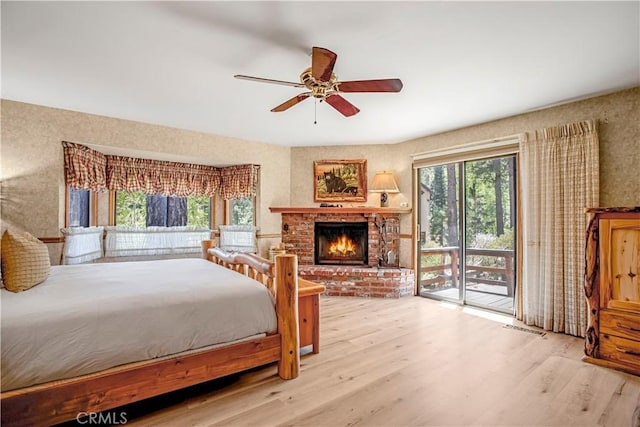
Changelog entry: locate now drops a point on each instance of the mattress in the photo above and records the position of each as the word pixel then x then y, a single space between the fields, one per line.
pixel 90 317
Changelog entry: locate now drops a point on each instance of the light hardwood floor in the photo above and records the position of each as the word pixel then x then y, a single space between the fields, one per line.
pixel 417 362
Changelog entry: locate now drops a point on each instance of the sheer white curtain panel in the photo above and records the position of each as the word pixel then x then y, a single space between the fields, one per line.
pixel 82 244
pixel 130 241
pixel 238 238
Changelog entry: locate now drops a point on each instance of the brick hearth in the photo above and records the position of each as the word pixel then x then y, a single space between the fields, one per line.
pixel 382 277
pixel 347 281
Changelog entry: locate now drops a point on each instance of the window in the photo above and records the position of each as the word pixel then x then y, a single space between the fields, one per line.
pixel 81 208
pixel 240 211
pixel 136 209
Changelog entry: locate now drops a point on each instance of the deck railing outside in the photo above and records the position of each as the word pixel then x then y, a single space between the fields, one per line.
pixel 499 273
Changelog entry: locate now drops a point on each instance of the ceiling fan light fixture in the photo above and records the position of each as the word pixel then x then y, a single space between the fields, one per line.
pixel 323 84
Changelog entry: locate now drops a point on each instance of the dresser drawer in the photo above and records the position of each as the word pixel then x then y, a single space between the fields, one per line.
pixel 620 350
pixel 621 324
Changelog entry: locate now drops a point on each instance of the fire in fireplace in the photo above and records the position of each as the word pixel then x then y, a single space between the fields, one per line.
pixel 341 243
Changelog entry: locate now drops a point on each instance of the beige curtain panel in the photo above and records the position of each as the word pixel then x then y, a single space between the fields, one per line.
pixel 84 168
pixel 560 173
pixel 89 169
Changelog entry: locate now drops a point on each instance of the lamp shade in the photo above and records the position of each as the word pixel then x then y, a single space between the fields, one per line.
pixel 384 182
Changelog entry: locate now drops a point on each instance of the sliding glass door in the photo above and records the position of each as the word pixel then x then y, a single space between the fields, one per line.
pixel 467 220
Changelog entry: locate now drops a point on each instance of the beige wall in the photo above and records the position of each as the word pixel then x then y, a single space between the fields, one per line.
pixel 32 162
pixel 32 195
pixel 618 116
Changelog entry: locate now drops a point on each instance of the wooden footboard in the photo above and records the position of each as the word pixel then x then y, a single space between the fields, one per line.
pixel 281 279
pixel 64 400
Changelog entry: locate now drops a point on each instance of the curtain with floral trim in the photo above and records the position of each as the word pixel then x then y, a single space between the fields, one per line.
pixel 84 168
pixel 239 181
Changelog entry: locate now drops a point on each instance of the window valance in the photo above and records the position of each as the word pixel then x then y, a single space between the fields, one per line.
pixel 239 181
pixel 84 168
pixel 89 169
pixel 161 177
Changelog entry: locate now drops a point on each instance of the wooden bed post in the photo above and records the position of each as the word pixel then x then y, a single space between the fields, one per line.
pixel 283 285
pixel 206 245
pixel 287 311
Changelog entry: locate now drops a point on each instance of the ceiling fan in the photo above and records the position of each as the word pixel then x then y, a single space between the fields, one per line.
pixel 322 83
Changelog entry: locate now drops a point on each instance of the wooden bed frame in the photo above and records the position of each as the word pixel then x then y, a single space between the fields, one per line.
pixel 64 400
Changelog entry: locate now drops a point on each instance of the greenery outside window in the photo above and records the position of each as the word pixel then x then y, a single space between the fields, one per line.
pixel 136 209
pixel 240 211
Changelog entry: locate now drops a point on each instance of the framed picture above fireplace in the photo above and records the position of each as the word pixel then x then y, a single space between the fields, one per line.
pixel 340 180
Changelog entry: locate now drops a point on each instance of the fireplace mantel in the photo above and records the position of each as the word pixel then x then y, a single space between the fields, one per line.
pixel 337 210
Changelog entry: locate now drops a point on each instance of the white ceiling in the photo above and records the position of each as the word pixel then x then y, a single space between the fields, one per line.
pixel 172 63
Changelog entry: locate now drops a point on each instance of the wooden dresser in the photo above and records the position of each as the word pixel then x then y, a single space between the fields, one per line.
pixel 612 288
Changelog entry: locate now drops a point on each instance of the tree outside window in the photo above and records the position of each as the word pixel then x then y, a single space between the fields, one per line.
pixel 136 209
pixel 199 211
pixel 242 211
pixel 131 209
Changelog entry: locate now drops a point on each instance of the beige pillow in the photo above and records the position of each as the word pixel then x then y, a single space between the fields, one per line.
pixel 25 261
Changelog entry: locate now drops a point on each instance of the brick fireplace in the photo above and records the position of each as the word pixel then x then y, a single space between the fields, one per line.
pixel 378 275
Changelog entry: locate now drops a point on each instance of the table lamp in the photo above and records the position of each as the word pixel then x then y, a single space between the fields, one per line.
pixel 384 182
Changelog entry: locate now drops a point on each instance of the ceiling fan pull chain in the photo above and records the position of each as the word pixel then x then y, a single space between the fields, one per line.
pixel 315 111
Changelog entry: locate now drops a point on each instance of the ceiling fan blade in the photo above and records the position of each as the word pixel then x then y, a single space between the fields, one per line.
pixel 384 85
pixel 342 105
pixel 261 80
pixel 322 62
pixel 291 102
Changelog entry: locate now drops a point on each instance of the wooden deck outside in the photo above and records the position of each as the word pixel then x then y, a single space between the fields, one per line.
pixel 490 286
pixel 501 303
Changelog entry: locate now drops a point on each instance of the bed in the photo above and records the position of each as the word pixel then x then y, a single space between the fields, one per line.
pixel 171 330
